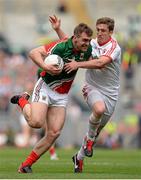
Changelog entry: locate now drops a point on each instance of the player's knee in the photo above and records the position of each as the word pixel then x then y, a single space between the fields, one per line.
pixel 99 110
pixel 54 134
pixel 35 123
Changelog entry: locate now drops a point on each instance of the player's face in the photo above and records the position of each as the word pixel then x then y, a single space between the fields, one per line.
pixel 82 42
pixel 103 33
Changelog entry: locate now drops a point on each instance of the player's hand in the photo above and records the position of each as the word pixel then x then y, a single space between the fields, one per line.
pixel 71 66
pixel 52 69
pixel 55 22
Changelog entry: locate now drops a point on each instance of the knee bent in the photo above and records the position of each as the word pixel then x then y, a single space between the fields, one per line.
pixel 99 110
pixel 53 134
pixel 35 124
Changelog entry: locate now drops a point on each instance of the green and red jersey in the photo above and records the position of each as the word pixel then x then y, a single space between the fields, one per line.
pixel 64 48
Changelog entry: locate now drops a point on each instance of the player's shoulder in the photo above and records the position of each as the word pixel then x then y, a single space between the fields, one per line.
pixel 57 42
pixel 115 43
pixel 58 45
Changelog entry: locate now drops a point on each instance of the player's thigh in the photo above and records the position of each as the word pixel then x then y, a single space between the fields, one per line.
pixel 39 112
pixel 96 102
pixel 56 118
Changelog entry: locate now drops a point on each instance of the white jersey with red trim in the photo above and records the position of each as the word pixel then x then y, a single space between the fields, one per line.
pixel 106 80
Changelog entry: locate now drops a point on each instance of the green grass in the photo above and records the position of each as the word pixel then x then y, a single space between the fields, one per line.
pixel 105 164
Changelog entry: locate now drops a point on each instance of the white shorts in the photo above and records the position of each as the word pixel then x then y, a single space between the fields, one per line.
pixel 92 95
pixel 23 120
pixel 43 93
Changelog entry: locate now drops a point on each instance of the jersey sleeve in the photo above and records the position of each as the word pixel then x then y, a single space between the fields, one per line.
pixel 115 54
pixel 114 51
pixel 58 49
pixel 55 47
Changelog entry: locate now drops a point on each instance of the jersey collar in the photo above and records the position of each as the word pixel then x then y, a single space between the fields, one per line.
pixel 102 44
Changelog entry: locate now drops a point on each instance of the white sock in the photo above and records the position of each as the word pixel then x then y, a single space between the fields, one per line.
pixel 81 155
pixel 93 126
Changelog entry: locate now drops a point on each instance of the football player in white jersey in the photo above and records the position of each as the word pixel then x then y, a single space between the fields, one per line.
pixel 102 82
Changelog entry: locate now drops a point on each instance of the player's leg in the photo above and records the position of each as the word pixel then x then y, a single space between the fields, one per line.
pixel 22 139
pixel 98 110
pixel 35 112
pixel 52 151
pixel 95 126
pixel 55 122
pixel 104 120
pixel 53 154
pixel 96 102
pixel 89 140
pixel 40 111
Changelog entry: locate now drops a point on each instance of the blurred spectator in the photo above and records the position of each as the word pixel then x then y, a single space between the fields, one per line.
pixel 129 61
pixel 62 6
pixel 131 131
pixel 137 109
pixel 27 136
pixel 14 69
pixel 111 138
pixel 5 88
pixel 139 132
pixel 4 44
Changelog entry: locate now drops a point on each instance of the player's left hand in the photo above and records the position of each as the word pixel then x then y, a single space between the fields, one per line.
pixel 71 66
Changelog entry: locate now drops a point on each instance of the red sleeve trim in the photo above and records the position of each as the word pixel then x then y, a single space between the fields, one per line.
pixel 48 47
pixel 110 51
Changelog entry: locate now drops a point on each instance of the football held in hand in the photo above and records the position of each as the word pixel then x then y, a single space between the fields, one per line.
pixel 55 60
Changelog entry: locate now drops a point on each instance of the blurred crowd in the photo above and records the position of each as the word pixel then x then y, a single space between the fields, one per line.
pixel 18 73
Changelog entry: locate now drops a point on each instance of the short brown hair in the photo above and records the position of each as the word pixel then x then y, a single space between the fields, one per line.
pixel 83 28
pixel 106 20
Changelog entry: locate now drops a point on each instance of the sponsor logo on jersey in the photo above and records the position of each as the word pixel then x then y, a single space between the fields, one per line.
pixel 81 56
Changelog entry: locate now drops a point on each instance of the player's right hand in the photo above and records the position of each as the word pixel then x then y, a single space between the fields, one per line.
pixel 55 22
pixel 52 69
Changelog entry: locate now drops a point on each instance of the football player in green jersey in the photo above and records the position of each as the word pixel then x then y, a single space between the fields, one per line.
pixel 50 95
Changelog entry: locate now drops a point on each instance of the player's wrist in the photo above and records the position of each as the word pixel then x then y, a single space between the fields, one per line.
pixel 57 29
pixel 78 64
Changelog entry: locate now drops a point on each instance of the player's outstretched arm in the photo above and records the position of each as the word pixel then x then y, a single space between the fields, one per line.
pixel 91 64
pixel 56 25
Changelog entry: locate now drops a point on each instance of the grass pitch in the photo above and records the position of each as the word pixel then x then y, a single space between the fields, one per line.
pixel 105 164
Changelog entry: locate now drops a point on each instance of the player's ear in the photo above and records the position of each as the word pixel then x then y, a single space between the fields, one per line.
pixel 111 32
pixel 74 37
